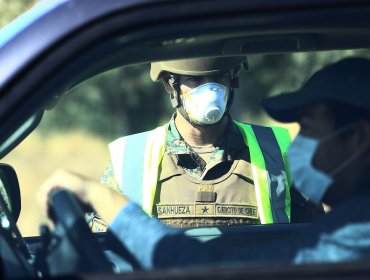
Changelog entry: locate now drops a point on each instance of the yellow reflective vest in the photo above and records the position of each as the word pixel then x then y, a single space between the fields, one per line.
pixel 136 160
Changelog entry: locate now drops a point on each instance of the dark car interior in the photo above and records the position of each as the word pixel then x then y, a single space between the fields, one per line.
pixel 128 35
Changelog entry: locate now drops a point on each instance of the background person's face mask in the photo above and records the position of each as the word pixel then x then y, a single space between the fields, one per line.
pixel 311 182
pixel 206 104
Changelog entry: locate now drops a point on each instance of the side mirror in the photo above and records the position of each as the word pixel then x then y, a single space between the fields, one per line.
pixel 9 190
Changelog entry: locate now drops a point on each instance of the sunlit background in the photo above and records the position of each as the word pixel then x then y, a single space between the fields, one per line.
pixel 75 133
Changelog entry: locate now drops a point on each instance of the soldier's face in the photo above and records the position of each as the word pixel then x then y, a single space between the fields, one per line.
pixel 205 98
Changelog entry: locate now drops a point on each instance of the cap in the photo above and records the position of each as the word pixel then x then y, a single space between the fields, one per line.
pixel 196 66
pixel 347 81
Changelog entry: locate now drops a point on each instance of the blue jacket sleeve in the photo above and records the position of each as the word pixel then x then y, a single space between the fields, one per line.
pixel 342 235
pixel 154 244
pixel 139 233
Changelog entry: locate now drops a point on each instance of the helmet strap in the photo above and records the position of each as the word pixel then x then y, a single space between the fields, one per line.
pixel 174 99
pixel 230 100
pixel 174 95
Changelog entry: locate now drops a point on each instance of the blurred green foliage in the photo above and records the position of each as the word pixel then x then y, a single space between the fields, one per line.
pixel 119 102
pixel 278 73
pixel 125 100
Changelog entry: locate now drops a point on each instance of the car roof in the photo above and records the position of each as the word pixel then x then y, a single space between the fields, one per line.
pixel 298 25
pixel 60 43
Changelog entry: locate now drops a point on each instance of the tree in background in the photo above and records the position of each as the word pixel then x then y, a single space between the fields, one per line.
pixel 119 102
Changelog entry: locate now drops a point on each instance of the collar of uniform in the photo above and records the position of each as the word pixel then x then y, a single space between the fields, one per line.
pixel 175 145
pixel 227 149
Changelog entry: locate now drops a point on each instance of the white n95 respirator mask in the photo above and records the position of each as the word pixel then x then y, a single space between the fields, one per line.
pixel 206 104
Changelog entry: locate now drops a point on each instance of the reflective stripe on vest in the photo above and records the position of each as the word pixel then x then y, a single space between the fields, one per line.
pixel 136 160
pixel 267 148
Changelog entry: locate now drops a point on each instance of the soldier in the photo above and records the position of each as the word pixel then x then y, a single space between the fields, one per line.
pixel 330 160
pixel 202 168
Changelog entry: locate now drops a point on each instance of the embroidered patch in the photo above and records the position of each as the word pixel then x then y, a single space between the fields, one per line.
pixel 207 210
pixel 169 211
pixel 206 197
pixel 206 188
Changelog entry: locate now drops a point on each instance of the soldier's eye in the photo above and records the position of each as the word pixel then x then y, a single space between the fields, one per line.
pixel 192 79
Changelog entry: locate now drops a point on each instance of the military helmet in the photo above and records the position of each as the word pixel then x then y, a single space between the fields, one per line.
pixel 196 66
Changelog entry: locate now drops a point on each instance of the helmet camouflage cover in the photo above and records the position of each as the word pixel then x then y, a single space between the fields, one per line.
pixel 195 66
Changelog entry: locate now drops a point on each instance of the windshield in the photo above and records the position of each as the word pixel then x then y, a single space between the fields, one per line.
pixel 75 134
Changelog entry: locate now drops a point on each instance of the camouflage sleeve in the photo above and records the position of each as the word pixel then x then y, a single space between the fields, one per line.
pixel 108 178
pixel 96 223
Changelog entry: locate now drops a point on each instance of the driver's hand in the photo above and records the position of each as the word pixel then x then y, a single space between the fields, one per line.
pixel 90 192
pixel 63 179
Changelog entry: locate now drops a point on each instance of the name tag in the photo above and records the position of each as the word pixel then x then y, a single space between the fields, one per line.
pixel 207 210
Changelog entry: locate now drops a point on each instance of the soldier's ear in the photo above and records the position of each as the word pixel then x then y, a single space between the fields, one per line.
pixel 165 78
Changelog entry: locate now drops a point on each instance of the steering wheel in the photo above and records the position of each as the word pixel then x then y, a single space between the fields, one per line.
pixel 69 219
